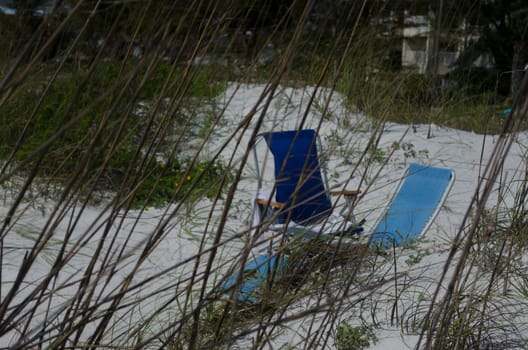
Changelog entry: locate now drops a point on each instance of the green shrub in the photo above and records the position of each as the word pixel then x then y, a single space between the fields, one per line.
pixel 348 337
pixel 420 90
pixel 179 180
pixel 473 82
pixel 105 128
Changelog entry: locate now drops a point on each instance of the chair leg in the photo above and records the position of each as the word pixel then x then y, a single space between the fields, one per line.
pixel 348 210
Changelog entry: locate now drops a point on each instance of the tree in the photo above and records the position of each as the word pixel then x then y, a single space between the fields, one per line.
pixel 503 31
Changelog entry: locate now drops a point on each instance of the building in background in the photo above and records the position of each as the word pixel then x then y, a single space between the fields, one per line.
pixel 422 53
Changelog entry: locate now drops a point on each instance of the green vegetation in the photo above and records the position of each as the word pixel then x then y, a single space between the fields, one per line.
pixel 468 101
pixel 348 337
pixel 178 180
pixel 114 103
pixel 109 134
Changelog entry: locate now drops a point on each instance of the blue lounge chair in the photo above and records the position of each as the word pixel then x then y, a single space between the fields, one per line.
pixel 301 207
pixel 415 204
pixel 255 274
pixel 302 201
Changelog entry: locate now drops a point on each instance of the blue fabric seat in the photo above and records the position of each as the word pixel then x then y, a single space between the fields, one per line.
pixel 414 206
pixel 299 185
pixel 255 274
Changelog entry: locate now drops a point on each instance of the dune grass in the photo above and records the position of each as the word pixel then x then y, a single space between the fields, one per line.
pixel 89 148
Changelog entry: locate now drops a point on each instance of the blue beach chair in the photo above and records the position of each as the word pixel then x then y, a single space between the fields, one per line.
pixel 414 206
pixel 256 273
pixel 302 202
pixel 301 208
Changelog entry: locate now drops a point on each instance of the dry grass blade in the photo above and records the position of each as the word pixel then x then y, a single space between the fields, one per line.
pixel 127 183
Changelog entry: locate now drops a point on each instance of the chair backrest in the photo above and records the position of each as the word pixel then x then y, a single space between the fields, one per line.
pixel 299 182
pixel 414 206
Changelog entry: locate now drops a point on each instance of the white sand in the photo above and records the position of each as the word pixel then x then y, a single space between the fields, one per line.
pixel 344 136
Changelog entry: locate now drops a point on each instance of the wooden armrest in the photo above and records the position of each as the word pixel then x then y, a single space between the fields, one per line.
pixel 273 204
pixel 345 192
